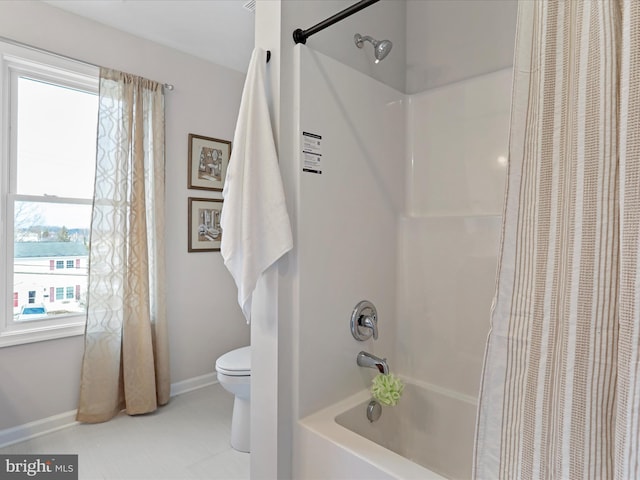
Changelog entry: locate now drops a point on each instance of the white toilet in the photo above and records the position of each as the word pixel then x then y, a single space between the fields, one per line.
pixel 234 374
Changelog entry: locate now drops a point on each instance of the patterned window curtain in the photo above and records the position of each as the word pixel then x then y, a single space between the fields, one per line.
pixel 126 359
pixel 560 394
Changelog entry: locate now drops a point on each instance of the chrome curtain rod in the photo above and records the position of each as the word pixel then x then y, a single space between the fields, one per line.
pixel 300 36
pixel 167 86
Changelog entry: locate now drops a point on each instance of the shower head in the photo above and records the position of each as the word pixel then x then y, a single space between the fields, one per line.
pixel 380 48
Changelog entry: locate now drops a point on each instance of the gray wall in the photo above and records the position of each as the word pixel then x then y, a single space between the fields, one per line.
pixel 40 380
pixel 382 20
pixel 452 40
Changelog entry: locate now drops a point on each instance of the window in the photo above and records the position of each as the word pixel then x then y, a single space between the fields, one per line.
pixel 48 136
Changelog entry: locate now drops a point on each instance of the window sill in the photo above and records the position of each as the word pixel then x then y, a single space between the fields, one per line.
pixel 50 332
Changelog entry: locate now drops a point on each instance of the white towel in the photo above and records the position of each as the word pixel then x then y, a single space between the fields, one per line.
pixel 256 230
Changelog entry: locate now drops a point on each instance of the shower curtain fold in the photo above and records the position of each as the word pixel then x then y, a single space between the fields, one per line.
pixel 560 395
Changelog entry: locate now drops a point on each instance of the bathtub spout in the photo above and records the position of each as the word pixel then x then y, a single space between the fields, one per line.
pixel 371 361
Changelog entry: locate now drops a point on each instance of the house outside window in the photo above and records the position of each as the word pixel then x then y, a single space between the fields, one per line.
pixel 48 127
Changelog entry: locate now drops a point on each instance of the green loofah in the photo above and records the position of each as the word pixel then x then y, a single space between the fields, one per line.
pixel 387 389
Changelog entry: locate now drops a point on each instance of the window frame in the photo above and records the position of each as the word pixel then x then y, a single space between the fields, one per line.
pixel 22 61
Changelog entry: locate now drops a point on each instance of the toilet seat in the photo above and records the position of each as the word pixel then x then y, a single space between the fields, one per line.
pixel 236 363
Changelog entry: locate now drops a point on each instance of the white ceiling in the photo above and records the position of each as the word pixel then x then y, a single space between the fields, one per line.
pixel 220 31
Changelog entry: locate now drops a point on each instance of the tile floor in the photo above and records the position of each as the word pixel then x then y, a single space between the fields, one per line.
pixel 186 439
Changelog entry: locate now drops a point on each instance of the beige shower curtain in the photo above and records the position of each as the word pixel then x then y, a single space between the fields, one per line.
pixel 560 394
pixel 126 359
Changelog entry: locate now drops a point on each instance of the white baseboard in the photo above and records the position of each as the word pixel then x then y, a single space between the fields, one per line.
pixel 194 383
pixel 37 428
pixel 30 430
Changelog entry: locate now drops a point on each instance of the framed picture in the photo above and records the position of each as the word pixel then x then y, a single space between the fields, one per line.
pixel 205 233
pixel 208 162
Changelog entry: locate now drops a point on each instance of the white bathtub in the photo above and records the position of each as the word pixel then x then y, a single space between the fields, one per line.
pixel 428 435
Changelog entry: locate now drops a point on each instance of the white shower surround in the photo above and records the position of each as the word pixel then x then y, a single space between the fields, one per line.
pixel 407 210
pixel 347 224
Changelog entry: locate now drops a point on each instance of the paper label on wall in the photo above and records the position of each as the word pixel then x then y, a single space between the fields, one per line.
pixel 311 153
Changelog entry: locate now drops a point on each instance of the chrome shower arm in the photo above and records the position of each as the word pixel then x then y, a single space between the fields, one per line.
pixel 360 39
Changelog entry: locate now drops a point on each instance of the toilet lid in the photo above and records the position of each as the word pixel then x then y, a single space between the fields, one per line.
pixel 236 362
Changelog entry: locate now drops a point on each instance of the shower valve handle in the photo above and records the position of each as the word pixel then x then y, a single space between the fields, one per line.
pixel 369 322
pixel 364 321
